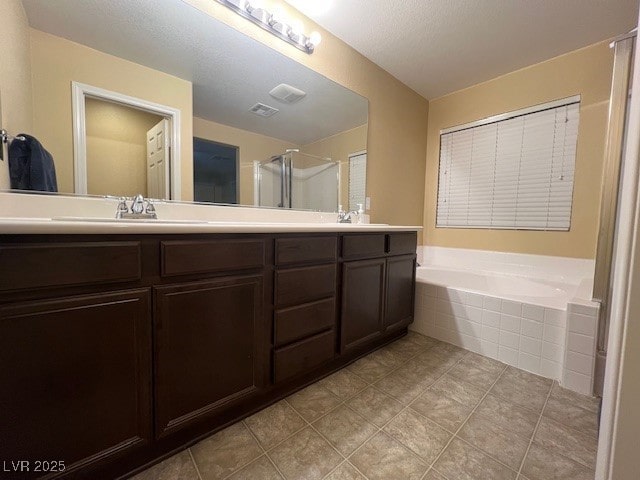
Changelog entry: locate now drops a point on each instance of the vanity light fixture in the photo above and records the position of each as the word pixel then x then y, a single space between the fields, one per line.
pixel 275 22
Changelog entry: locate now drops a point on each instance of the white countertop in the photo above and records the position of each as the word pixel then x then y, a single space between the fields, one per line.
pixel 9 225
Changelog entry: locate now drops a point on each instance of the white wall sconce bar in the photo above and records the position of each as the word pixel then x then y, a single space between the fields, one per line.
pixel 276 23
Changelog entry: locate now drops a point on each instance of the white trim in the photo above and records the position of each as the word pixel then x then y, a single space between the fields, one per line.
pixel 355 154
pixel 256 183
pixel 626 248
pixel 515 113
pixel 79 91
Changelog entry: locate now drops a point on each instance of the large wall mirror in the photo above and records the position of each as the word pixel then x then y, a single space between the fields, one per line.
pixel 157 97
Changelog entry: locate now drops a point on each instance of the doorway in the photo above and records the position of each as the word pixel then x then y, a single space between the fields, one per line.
pixel 170 189
pixel 215 172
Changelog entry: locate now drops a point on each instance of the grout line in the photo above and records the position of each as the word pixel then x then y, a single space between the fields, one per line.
pixel 455 435
pixel 405 407
pixel 264 452
pixel 535 430
pixel 193 460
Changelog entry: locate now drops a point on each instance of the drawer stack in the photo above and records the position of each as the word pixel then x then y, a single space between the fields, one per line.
pixel 304 304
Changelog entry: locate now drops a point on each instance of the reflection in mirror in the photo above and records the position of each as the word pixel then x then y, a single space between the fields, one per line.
pixel 231 91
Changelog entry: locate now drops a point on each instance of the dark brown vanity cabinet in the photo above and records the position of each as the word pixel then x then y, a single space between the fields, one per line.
pixel 118 350
pixel 378 281
pixel 206 357
pixel 304 328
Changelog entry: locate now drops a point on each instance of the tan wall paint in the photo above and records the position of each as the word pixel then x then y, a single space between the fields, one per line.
pixel 15 76
pixel 338 147
pixel 57 62
pixel 117 148
pixel 586 72
pixel 397 115
pixel 252 146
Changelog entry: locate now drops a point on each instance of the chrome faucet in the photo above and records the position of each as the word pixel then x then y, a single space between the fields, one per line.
pixel 345 217
pixel 138 208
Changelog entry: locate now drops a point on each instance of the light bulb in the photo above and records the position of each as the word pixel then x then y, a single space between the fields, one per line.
pixel 278 16
pixel 315 38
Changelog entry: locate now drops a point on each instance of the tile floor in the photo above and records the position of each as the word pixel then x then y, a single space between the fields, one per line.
pixel 415 409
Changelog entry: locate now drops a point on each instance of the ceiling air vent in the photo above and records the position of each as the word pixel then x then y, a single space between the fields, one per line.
pixel 263 110
pixel 287 94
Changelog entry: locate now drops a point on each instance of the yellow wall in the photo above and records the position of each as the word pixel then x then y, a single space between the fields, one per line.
pixel 338 147
pixel 15 76
pixel 397 115
pixel 252 146
pixel 117 148
pixel 586 72
pixel 57 62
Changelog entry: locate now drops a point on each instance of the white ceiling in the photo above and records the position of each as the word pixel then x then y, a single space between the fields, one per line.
pixel 440 46
pixel 230 71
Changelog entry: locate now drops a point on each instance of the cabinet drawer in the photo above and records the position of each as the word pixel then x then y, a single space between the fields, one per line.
pixel 363 246
pixel 303 356
pixel 298 322
pixel 189 257
pixel 301 285
pixel 300 250
pixel 402 243
pixel 62 264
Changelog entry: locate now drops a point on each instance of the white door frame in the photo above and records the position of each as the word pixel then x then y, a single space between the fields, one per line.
pixel 80 91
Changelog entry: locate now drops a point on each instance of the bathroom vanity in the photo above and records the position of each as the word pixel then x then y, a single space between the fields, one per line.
pixel 119 349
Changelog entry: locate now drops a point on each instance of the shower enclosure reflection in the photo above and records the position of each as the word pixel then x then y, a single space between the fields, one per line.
pixel 298 180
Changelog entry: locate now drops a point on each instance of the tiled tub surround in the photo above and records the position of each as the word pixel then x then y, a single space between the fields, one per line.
pixel 482 301
pixel 417 409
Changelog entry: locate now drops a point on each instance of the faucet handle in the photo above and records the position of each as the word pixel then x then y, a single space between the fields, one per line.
pixel 150 209
pixel 122 207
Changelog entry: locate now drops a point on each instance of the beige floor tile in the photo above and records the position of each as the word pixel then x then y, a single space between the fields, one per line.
pixel 545 464
pixel 404 386
pixel 563 409
pixel 566 441
pixel 484 363
pixel 387 357
pixel 345 471
pixel 305 456
pixel 443 410
pixel 345 429
pixel 523 388
pixel 448 351
pixel 509 416
pixel 260 469
pixel 225 452
pixel 369 369
pixel 313 402
pixel 374 405
pixel 474 375
pixel 459 390
pixel 461 461
pixel 343 384
pixel 422 436
pixel 503 445
pixel 275 423
pixel 405 348
pixel 433 475
pixel 574 398
pixel 383 458
pixel 178 467
pixel 421 340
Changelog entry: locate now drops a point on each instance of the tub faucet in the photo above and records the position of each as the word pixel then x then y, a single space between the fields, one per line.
pixel 138 209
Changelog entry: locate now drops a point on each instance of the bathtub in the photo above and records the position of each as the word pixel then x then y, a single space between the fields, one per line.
pixel 528 311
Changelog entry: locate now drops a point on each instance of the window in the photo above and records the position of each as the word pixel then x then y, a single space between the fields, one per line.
pixel 512 171
pixel 357 179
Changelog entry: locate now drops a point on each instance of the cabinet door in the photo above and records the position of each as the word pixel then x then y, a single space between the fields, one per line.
pixel 362 302
pixel 400 292
pixel 75 376
pixel 208 348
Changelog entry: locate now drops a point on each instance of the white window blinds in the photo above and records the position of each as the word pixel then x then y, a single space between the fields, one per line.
pixel 357 179
pixel 514 171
